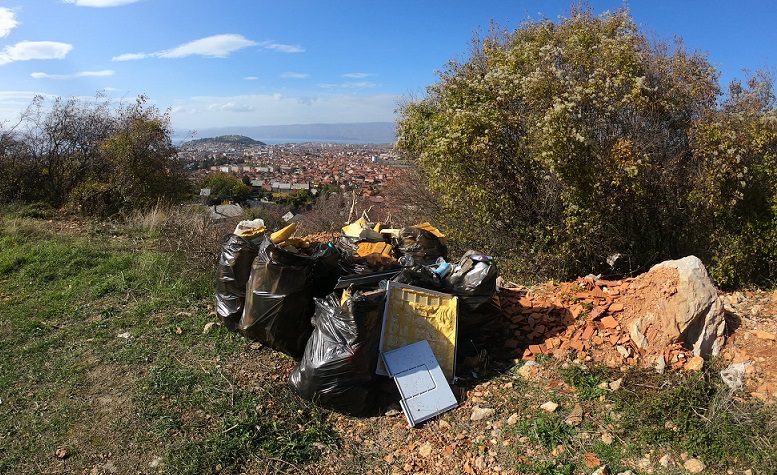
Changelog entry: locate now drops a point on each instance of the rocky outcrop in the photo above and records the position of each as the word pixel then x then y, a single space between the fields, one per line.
pixel 675 302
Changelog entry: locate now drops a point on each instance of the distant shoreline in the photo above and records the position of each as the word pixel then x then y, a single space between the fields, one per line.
pixel 180 140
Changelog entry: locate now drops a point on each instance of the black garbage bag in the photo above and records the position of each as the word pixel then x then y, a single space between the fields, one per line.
pixel 422 245
pixel 473 280
pixel 232 274
pixel 337 370
pixel 419 276
pixel 280 293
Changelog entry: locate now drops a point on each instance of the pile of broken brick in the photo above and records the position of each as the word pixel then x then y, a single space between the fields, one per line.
pixel 580 318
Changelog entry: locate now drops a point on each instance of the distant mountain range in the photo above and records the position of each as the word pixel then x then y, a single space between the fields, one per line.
pixel 368 132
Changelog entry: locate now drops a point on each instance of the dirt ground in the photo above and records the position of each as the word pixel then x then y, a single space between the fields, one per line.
pixel 547 320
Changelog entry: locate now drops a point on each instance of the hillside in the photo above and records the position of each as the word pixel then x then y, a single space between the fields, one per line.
pixel 228 139
pixel 115 362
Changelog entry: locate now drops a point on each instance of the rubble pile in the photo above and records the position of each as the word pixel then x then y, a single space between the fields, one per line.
pixel 581 319
pixel 602 321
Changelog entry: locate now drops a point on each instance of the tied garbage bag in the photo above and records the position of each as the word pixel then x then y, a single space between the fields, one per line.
pixel 232 274
pixel 421 244
pixel 280 293
pixel 473 280
pixel 337 370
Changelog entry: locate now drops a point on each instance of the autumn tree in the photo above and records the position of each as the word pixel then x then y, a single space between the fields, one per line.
pixel 95 157
pixel 564 143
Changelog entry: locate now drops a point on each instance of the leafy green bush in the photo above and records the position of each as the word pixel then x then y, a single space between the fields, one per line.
pixel 564 143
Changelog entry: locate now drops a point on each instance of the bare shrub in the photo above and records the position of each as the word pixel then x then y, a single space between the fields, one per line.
pixel 187 229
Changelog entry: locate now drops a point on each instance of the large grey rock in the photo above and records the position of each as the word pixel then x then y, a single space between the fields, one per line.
pixel 681 305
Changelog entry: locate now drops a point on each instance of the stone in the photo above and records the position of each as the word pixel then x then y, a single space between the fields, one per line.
pixel 549 406
pixel 480 413
pixel 660 364
pixel 603 470
pixel 513 419
pixel 425 450
pixel 695 364
pixel 616 385
pixel 764 335
pixel 528 369
pixel 694 465
pixel 575 417
pixel 607 438
pixel 682 306
pixel 666 461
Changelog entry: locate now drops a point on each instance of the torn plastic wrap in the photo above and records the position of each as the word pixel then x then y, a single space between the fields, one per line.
pixel 473 280
pixel 337 370
pixel 232 274
pixel 279 297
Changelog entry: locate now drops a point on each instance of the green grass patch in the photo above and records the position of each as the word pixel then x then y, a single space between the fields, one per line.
pixel 586 380
pixel 696 413
pixel 103 349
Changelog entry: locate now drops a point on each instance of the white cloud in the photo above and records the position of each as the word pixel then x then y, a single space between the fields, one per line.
pixel 356 75
pixel 129 57
pixel 100 3
pixel 283 48
pixel 27 50
pixel 251 78
pixel 7 21
pixel 79 74
pixel 231 107
pixel 349 85
pixel 291 75
pixel 218 46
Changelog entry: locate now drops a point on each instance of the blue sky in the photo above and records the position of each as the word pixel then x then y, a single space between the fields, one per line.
pixel 259 62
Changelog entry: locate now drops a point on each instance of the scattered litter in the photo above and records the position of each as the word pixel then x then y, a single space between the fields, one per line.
pixel 124 335
pixel 208 326
pixel 338 306
pixel 734 375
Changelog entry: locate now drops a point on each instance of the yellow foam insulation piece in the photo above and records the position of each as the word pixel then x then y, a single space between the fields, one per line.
pixel 360 229
pixel 367 248
pixel 431 229
pixel 251 233
pixel 414 314
pixel 299 243
pixel 283 234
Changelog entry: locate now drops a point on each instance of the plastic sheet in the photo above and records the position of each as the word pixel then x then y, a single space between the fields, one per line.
pixel 232 274
pixel 280 293
pixel 337 370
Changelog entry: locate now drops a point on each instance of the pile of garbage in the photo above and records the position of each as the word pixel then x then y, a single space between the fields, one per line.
pixel 354 311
